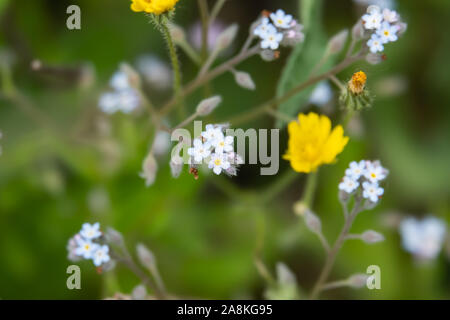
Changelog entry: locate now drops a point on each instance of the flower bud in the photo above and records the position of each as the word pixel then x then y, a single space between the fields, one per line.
pixel 374 58
pixel 149 169
pixel 343 196
pixel 369 205
pixel 312 221
pixel 358 31
pixel 402 27
pixel 139 293
pixel 285 275
pixel 145 256
pixel 300 208
pixel 244 80
pixel 114 237
pixel 205 107
pixel 225 39
pixel 337 42
pixel 177 33
pixel 268 55
pixel 357 281
pixel 371 237
pixel 175 168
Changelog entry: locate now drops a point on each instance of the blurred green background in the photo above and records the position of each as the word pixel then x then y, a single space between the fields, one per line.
pixel 204 239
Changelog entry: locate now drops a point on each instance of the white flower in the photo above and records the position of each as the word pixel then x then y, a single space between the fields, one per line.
pixel 375 44
pixel 356 169
pixel 101 255
pixel 391 16
pixel 281 19
pixel 127 100
pixel 372 20
pixel 375 172
pixel 85 248
pixel 200 150
pixel 387 32
pixel 224 144
pixel 425 238
pixel 272 40
pixel 322 94
pixel 218 163
pixel 348 185
pixel 212 134
pixel 90 231
pixel 372 191
pixel 108 102
pixel 264 28
pixel 119 81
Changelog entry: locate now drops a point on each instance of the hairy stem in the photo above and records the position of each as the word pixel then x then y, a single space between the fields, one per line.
pixel 175 64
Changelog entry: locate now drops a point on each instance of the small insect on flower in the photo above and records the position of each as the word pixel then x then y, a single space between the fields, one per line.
pixel 312 142
pixel 281 19
pixel 153 6
pixel 372 191
pixel 357 83
pixel 348 184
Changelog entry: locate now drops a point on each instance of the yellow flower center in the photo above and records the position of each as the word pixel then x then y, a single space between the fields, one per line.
pixel 386 33
pixel 373 175
pixel 217 162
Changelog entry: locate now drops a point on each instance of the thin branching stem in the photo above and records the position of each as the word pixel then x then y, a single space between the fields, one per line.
pixel 261 109
pixel 332 254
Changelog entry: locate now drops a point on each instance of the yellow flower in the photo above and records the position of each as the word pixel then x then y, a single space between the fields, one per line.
pixel 153 6
pixel 313 143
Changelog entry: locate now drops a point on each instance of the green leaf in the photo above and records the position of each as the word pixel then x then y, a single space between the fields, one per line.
pixel 303 59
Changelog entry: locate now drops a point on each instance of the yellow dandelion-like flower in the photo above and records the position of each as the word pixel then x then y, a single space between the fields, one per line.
pixel 153 6
pixel 313 143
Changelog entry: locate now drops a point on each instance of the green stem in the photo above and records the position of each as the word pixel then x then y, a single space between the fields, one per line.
pixel 175 63
pixel 310 189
